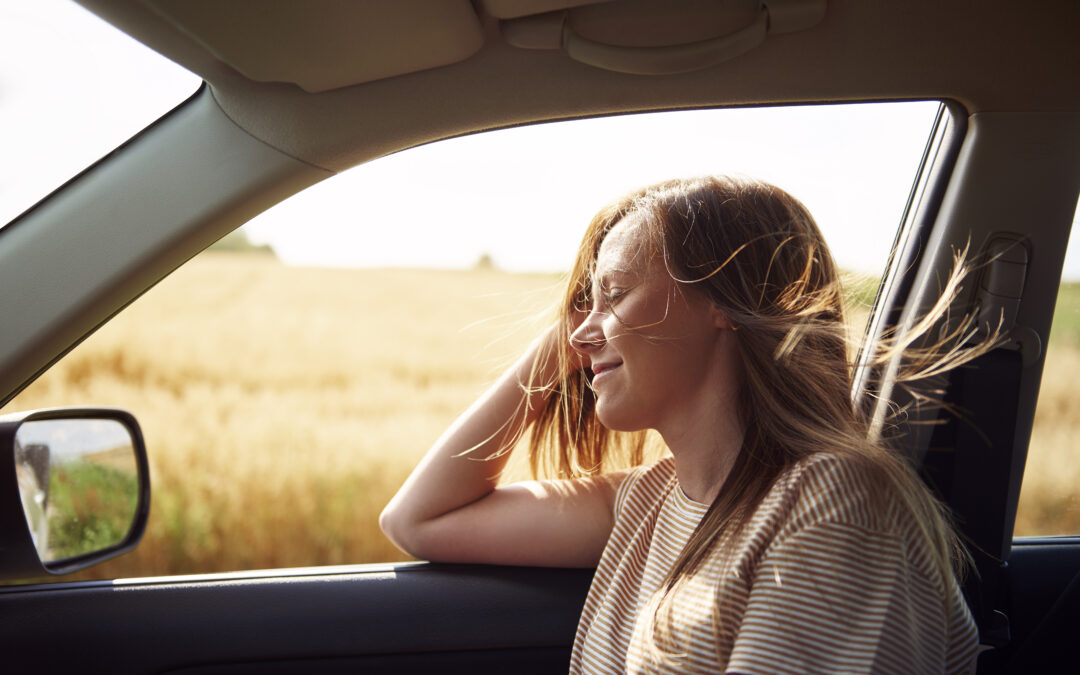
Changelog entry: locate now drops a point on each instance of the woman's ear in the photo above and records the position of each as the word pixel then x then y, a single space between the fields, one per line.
pixel 721 320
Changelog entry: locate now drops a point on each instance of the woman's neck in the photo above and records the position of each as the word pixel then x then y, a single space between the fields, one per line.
pixel 705 433
pixel 703 460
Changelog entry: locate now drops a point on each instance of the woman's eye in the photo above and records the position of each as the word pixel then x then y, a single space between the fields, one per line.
pixel 614 294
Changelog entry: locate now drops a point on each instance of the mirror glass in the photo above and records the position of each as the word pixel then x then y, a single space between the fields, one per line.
pixel 79 483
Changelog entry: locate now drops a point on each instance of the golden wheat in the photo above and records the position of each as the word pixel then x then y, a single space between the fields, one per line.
pixel 1050 496
pixel 282 407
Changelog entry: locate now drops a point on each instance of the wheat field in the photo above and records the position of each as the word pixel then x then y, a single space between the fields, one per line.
pixel 283 406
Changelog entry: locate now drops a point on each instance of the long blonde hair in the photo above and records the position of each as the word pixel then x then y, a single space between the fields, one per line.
pixel 758 254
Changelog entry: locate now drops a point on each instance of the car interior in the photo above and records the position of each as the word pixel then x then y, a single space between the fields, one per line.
pixel 296 92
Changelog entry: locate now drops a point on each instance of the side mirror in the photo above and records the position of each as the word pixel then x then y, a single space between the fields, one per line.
pixel 74 489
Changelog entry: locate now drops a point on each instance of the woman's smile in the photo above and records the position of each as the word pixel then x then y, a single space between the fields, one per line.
pixel 603 369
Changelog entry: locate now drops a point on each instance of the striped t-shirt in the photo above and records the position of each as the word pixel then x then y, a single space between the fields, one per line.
pixel 816 582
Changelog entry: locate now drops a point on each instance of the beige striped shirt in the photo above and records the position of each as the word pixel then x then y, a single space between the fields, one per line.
pixel 816 582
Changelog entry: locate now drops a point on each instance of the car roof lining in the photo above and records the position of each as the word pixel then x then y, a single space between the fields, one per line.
pixel 1005 57
pixel 320 45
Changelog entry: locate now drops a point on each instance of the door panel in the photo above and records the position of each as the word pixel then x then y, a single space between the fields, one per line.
pixel 1041 598
pixel 386 618
pixel 1039 570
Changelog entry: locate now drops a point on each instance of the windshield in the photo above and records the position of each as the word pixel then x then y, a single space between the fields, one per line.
pixel 72 88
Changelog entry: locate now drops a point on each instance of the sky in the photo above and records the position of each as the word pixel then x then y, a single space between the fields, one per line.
pixel 72 88
pixel 523 196
pixel 73 439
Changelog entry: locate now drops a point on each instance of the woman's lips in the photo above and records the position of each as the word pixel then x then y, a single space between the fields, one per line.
pixel 602 369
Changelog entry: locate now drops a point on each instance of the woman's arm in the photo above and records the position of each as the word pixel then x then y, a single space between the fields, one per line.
pixel 450 510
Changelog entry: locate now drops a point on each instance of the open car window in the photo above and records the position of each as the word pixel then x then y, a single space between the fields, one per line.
pixel 288 379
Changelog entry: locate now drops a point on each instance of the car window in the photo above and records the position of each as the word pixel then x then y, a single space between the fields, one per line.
pixel 289 378
pixel 1050 494
pixel 72 88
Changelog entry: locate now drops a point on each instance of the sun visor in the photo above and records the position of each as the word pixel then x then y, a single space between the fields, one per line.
pixel 321 45
pixel 654 37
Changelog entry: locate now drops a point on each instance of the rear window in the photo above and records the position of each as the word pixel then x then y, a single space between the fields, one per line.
pixel 1050 494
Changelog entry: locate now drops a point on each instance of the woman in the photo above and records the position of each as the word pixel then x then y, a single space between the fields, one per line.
pixel 780 534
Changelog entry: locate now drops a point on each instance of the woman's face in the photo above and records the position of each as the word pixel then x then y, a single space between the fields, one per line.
pixel 653 345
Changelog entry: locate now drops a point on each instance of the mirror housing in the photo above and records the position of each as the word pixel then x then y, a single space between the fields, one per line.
pixel 69 480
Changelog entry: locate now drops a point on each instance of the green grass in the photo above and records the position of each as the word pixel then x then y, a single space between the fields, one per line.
pixel 1066 328
pixel 859 289
pixel 91 507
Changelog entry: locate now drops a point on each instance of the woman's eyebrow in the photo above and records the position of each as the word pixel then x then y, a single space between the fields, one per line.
pixel 607 274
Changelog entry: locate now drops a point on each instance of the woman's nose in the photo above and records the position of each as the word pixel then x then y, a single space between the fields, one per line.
pixel 589 335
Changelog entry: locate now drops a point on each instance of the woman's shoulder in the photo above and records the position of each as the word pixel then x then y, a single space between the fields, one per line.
pixel 834 488
pixel 848 470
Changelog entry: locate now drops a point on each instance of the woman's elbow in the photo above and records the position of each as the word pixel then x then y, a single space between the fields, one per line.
pixel 398 529
pixel 424 540
pixel 408 534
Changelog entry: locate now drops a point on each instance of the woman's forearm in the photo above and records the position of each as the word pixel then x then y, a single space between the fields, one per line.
pixel 464 464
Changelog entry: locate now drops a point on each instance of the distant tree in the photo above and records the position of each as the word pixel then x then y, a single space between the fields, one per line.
pixel 35 456
pixel 484 262
pixel 237 242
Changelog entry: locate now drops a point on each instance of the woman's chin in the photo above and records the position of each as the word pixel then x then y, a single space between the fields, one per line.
pixel 616 419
